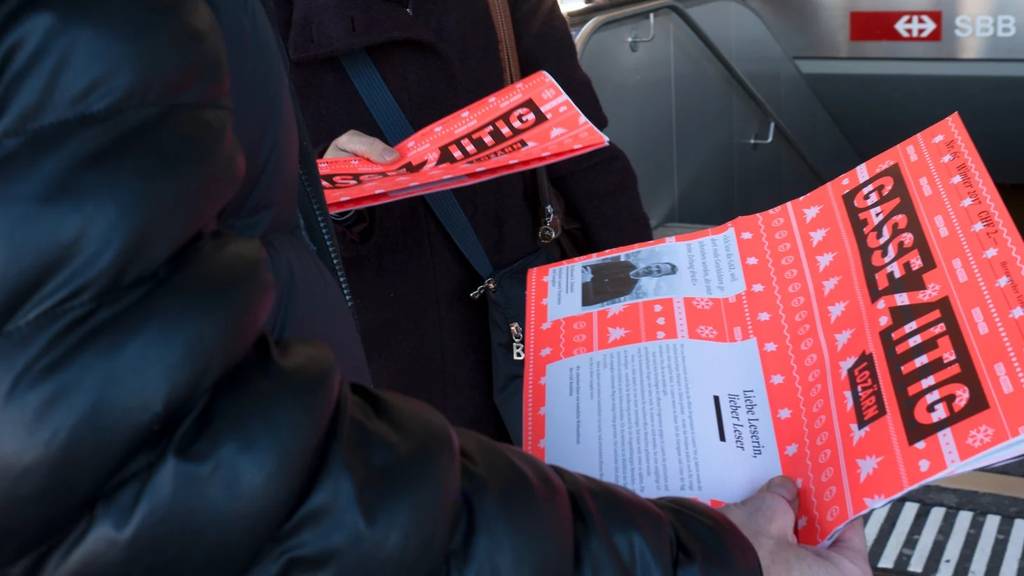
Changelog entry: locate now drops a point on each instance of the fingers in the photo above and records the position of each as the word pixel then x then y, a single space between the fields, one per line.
pixel 355 143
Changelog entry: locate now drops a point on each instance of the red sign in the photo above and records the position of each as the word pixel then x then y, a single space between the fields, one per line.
pixel 896 26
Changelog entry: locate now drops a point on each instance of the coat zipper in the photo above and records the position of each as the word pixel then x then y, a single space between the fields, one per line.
pixel 317 202
pixel 327 237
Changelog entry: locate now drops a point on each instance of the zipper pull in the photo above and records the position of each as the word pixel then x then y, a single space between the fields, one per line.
pixel 489 285
pixel 552 227
pixel 518 342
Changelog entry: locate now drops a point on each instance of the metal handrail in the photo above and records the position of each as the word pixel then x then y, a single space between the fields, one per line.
pixel 634 40
pixel 679 8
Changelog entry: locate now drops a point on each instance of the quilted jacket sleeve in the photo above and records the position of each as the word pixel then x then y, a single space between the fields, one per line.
pixel 148 426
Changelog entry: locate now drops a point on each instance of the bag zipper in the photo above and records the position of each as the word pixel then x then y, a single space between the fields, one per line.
pixel 551 228
pixel 518 341
pixel 518 337
pixel 489 285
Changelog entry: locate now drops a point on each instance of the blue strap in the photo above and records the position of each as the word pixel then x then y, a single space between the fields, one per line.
pixel 389 116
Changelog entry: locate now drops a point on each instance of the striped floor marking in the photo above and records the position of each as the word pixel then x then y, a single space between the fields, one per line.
pixel 983 550
pixel 899 535
pixel 875 523
pixel 927 539
pixel 967 543
pixel 955 543
pixel 1011 560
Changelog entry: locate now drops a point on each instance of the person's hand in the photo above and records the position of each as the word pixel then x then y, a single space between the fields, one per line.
pixel 355 143
pixel 768 518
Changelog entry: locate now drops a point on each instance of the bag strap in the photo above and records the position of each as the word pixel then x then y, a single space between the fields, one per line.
pixel 389 116
pixel 551 222
pixel 502 17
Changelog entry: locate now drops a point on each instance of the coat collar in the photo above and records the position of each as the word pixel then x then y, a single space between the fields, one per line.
pixel 323 28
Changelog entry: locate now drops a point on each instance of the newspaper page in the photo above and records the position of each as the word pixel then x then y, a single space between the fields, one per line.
pixel 525 125
pixel 862 339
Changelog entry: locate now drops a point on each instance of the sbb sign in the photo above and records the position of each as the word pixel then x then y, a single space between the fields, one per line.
pixel 926 26
pixel 986 26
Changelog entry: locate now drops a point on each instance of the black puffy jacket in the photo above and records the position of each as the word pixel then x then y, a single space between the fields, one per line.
pixel 154 223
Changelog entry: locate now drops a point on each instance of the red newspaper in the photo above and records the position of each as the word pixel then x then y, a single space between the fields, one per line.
pixel 863 339
pixel 526 125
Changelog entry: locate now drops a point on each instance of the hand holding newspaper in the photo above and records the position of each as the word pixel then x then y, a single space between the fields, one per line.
pixel 526 125
pixel 863 339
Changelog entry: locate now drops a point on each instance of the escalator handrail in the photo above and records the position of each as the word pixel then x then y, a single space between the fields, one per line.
pixel 679 8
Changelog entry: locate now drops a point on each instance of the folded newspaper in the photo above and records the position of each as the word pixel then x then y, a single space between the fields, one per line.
pixel 526 125
pixel 863 339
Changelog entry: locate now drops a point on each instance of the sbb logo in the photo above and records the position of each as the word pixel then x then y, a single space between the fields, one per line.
pixel 888 26
pixel 986 26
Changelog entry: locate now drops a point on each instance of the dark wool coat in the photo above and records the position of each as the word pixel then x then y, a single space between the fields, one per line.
pixel 423 335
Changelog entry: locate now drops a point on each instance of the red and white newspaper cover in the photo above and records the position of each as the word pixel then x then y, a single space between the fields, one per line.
pixel 863 339
pixel 525 125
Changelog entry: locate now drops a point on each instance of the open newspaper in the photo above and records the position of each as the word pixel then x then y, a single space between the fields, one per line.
pixel 526 125
pixel 863 339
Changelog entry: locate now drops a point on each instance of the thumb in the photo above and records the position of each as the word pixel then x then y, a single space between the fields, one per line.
pixel 772 509
pixel 786 489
